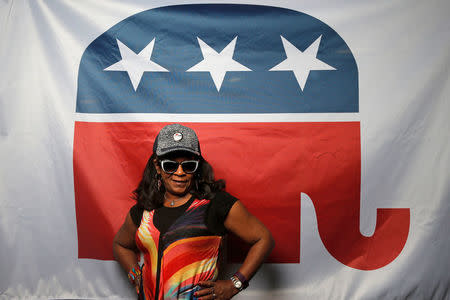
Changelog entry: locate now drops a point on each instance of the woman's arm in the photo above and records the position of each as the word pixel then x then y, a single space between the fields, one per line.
pixel 124 246
pixel 247 227
pixel 251 230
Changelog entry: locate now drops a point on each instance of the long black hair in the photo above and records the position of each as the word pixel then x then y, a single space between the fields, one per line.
pixel 150 192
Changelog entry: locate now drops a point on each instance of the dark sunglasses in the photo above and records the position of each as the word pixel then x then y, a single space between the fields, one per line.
pixel 170 166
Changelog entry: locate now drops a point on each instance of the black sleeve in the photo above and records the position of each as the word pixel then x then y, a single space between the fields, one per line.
pixel 136 212
pixel 218 211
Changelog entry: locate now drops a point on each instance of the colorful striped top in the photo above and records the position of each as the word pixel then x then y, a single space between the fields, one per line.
pixel 176 260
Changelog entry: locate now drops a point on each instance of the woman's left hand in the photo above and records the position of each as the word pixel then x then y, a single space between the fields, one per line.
pixel 219 290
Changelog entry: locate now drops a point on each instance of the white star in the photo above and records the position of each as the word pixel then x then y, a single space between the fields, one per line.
pixel 217 64
pixel 301 63
pixel 136 64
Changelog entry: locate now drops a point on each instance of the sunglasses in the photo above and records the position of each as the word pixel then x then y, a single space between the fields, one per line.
pixel 170 166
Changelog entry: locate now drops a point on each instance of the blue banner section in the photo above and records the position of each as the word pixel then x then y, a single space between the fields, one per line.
pixel 218 58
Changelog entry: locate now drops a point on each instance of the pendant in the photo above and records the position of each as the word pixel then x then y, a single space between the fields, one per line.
pixel 172 203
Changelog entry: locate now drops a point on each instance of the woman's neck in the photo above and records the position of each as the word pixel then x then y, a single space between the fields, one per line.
pixel 171 200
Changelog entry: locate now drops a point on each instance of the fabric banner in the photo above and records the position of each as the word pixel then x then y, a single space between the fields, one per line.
pixel 328 120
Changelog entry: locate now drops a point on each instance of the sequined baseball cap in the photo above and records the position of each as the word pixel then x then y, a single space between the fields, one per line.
pixel 176 137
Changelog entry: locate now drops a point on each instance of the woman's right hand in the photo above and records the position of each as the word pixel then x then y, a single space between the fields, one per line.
pixel 125 249
pixel 137 284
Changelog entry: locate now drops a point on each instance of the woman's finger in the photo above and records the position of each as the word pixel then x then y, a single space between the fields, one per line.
pixel 204 292
pixel 209 297
pixel 206 283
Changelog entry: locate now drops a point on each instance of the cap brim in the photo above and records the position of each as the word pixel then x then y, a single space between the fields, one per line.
pixel 176 149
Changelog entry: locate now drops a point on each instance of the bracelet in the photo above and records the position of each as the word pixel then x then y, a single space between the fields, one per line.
pixel 134 274
pixel 242 279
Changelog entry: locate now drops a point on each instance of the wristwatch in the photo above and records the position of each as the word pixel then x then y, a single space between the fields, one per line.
pixel 237 283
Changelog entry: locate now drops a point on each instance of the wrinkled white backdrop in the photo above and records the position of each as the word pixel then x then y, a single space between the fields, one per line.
pixel 402 49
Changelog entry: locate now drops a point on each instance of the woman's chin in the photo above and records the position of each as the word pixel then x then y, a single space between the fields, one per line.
pixel 178 192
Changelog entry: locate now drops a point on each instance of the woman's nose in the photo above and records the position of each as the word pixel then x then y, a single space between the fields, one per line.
pixel 179 171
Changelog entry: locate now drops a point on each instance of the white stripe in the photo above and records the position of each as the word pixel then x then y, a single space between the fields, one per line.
pixel 219 118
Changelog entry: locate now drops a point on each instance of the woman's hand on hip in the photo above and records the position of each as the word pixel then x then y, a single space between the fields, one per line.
pixel 219 290
pixel 137 284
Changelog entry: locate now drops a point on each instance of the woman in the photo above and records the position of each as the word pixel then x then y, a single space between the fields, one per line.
pixel 178 223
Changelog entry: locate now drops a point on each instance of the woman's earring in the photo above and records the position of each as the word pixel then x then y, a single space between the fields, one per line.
pixel 158 182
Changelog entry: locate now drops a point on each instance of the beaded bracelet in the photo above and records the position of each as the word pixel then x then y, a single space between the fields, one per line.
pixel 134 274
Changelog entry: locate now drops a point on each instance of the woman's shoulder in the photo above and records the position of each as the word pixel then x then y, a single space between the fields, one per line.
pixel 222 202
pixel 223 196
pixel 220 206
pixel 136 212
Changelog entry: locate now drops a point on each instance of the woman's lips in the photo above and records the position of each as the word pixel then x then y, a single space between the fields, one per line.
pixel 179 182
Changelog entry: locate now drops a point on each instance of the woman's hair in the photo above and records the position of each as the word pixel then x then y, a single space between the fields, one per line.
pixel 150 196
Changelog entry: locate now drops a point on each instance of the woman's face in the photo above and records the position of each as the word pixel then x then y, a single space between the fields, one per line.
pixel 179 182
